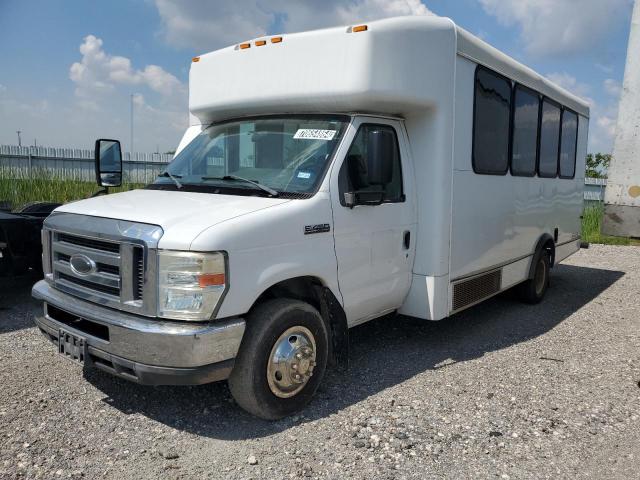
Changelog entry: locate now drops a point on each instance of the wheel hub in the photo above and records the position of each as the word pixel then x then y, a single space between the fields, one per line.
pixel 291 362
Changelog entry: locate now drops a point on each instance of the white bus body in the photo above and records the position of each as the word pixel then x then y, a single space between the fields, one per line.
pixel 486 185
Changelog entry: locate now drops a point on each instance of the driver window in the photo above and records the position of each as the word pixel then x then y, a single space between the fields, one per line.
pixel 353 173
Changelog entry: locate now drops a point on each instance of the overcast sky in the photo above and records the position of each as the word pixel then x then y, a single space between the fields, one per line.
pixel 68 68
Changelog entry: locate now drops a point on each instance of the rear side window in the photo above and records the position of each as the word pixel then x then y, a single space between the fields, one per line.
pixel 549 140
pixel 492 113
pixel 568 144
pixel 524 147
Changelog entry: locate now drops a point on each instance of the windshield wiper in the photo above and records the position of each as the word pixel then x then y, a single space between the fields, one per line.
pixel 172 177
pixel 270 191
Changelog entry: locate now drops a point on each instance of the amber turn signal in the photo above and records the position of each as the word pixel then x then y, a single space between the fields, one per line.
pixel 211 280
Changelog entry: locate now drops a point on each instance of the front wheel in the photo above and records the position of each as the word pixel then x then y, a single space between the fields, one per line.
pixel 282 359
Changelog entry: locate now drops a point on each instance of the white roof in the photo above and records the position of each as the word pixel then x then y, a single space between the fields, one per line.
pixel 396 67
pixel 481 52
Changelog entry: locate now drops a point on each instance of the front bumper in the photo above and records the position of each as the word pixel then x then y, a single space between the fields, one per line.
pixel 141 349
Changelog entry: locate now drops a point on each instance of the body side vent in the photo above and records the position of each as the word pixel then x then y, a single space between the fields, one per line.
pixel 473 290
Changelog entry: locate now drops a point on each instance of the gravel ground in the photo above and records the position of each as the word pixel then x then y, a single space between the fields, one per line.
pixel 503 390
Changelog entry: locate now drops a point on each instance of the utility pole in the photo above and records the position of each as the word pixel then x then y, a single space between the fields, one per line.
pixel 622 196
pixel 19 139
pixel 132 124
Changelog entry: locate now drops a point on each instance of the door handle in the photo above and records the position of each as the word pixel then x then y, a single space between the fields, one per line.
pixel 407 240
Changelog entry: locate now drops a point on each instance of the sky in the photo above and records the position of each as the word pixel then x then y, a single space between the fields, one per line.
pixel 70 70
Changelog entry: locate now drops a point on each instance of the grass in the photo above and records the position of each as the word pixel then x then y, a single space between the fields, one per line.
pixel 17 187
pixel 591 223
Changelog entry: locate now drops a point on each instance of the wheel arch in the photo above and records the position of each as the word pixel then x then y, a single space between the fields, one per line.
pixel 315 292
pixel 545 243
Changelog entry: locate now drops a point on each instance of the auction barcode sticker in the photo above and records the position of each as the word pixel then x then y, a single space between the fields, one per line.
pixel 314 134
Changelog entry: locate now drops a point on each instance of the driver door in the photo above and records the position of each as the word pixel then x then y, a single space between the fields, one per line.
pixel 374 243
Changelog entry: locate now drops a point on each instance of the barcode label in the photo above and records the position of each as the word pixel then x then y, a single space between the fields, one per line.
pixel 314 134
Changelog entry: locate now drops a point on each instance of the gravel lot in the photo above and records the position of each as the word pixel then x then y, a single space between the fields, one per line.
pixel 503 390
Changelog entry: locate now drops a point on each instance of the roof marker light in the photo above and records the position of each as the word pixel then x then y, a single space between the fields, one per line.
pixel 260 43
pixel 276 39
pixel 360 28
pixel 195 59
pixel 244 46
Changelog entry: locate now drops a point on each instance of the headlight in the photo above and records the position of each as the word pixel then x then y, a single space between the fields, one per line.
pixel 190 284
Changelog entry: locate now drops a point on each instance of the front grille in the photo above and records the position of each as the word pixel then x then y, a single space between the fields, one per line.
pixel 103 281
pixel 103 260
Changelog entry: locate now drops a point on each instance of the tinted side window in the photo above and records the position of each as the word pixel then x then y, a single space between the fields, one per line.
pixel 524 147
pixel 549 140
pixel 354 178
pixel 492 112
pixel 568 144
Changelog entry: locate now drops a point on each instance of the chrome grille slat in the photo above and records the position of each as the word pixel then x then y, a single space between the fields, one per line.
pixel 89 287
pixel 108 258
pixel 99 278
pixel 91 243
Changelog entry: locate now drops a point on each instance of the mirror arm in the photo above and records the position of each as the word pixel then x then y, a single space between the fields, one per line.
pixel 351 198
pixel 102 191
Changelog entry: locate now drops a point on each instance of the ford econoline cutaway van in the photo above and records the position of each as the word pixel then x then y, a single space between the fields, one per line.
pixel 327 178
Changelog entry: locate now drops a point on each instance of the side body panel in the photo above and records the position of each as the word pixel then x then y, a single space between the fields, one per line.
pixel 497 220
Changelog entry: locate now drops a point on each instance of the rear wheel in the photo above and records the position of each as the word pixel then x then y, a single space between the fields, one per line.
pixel 533 290
pixel 282 359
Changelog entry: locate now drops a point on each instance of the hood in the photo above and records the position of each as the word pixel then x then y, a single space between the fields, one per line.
pixel 182 215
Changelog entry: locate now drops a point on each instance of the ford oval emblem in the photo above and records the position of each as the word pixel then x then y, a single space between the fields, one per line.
pixel 82 265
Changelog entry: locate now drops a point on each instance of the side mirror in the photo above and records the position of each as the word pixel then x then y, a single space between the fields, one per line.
pixel 380 151
pixel 108 158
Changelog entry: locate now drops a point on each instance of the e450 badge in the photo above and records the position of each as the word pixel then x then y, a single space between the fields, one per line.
pixel 320 228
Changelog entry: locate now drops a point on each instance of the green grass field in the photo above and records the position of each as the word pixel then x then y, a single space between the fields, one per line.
pixel 591 223
pixel 18 189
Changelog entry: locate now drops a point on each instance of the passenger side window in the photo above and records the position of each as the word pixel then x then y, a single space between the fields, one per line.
pixel 492 114
pixel 568 144
pixel 524 149
pixel 549 140
pixel 353 176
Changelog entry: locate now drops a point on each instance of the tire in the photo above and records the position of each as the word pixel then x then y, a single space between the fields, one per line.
pixel 261 385
pixel 532 291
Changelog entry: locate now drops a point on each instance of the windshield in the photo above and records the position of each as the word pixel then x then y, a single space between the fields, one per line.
pixel 283 156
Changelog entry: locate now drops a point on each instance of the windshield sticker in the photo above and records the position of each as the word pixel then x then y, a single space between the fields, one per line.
pixel 304 174
pixel 314 134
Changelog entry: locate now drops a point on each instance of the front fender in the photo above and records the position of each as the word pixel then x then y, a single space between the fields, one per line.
pixel 251 273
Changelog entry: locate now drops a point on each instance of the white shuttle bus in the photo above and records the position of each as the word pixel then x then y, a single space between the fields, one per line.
pixel 327 178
